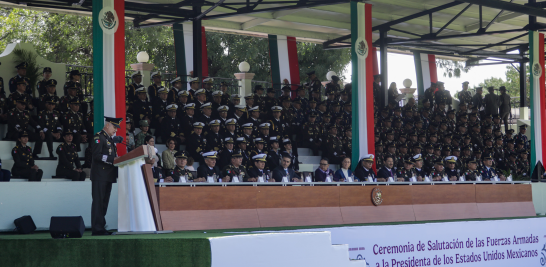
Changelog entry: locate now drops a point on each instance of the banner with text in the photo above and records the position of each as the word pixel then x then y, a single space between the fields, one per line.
pixel 517 242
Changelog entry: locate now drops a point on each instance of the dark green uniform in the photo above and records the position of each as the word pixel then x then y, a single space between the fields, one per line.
pixel 22 163
pixel 231 171
pixel 179 172
pixel 50 123
pixel 103 174
pixel 68 162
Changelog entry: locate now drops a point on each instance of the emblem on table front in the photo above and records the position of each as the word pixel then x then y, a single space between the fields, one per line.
pixel 377 196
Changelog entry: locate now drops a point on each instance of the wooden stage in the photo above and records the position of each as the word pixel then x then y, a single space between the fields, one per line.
pixel 225 207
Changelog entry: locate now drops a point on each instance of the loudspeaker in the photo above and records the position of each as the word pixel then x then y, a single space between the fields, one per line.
pixel 25 224
pixel 66 227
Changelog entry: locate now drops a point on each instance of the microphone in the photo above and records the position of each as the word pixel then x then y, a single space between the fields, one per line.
pixel 117 139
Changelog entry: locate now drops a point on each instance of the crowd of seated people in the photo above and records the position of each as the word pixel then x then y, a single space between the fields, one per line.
pixel 234 142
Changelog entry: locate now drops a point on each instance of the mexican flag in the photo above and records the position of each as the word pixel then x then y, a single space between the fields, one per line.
pixel 425 69
pixel 109 64
pixel 537 97
pixel 283 54
pixel 362 81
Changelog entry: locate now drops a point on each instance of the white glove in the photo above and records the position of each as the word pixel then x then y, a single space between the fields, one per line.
pixel 45 130
pixel 335 153
pixel 311 140
pixel 59 128
pixel 38 127
pixel 17 126
pixel 85 131
pixel 75 131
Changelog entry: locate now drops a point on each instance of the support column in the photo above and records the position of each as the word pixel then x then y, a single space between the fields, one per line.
pixel 384 68
pixel 363 141
pixel 197 49
pixel 245 84
pixel 523 80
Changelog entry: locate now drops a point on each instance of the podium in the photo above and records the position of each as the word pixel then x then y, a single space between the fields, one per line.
pixel 138 209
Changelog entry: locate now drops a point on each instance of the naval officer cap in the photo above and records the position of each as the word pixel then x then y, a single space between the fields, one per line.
pixel 417 157
pixel 175 80
pixel 113 121
pixel 368 157
pixel 183 93
pixel 231 122
pixel 210 155
pixel 181 155
pixel 260 157
pixel 223 108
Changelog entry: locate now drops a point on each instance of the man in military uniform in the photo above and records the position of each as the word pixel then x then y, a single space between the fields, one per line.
pixel 50 94
pixel 176 88
pixel 181 159
pixel 225 95
pixel 73 120
pixel 131 89
pixel 521 137
pixel 277 123
pixel 159 110
pixel 487 171
pixel 270 101
pixel 214 139
pixel 42 85
pixel 258 169
pixel 171 127
pixel 235 169
pixel 242 148
pixel 65 100
pixel 225 153
pixel 141 107
pixel 452 172
pixel 144 128
pixel 207 85
pixel 20 94
pixel 523 164
pixel 465 96
pixel 50 122
pixel 259 100
pixel 18 121
pixel 21 75
pixel 333 86
pixel 443 95
pixel 472 173
pixel 312 134
pixel 103 173
pixel 511 164
pixel 208 168
pixel 23 160
pixel 405 173
pixel 188 120
pixel 153 88
pixel 314 84
pixel 334 146
pixel 69 162
pixel 196 143
pixel 181 103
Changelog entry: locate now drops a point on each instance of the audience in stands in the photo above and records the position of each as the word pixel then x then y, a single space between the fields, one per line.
pixel 424 140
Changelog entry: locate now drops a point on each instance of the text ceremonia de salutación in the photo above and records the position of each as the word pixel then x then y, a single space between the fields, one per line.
pixel 487 249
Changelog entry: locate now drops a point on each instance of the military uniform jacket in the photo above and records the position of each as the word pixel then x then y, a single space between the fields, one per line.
pixel 49 121
pixel 471 175
pixel 2 90
pixel 488 173
pixel 139 138
pixel 158 110
pixel 523 167
pixel 362 174
pixel 141 110
pixel 103 152
pixel 465 97
pixel 22 157
pixel 68 157
pixel 231 171
pixel 455 172
pixel 334 146
pixel 73 121
pixel 254 172
pixel 179 172
pixel 64 103
pixel 131 95
pixel 435 173
pixel 172 96
pixel 13 84
pixel 196 144
pixel 204 171
pixel 187 124
pixel 45 97
pixel 152 91
pixel 277 127
pixel 214 141
pixel 19 121
pixel 41 86
pixel 13 97
pixel 89 121
pixel 273 159
pixel 225 98
pixel 170 127
pixel 406 174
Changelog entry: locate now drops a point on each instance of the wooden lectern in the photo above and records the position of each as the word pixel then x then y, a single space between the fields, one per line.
pixel 138 210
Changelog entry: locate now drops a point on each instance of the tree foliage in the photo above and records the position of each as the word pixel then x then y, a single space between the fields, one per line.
pixel 511 82
pixel 68 39
pixel 452 68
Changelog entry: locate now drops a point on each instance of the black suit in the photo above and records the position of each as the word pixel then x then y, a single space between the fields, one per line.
pixel 384 173
pixel 279 172
pixel 103 174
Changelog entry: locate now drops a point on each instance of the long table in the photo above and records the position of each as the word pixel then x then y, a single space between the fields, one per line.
pixel 201 206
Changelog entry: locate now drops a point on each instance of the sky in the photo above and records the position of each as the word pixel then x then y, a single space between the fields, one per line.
pixel 402 66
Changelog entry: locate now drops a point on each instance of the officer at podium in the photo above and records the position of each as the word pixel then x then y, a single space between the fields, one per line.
pixel 103 173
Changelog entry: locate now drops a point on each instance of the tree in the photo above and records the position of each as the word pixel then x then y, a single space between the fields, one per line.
pixel 68 39
pixel 452 68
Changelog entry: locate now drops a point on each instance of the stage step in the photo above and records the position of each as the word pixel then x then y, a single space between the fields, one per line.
pixel 309 159
pixel 305 152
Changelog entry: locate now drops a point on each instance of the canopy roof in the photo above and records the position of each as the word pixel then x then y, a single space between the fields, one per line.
pixel 442 27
